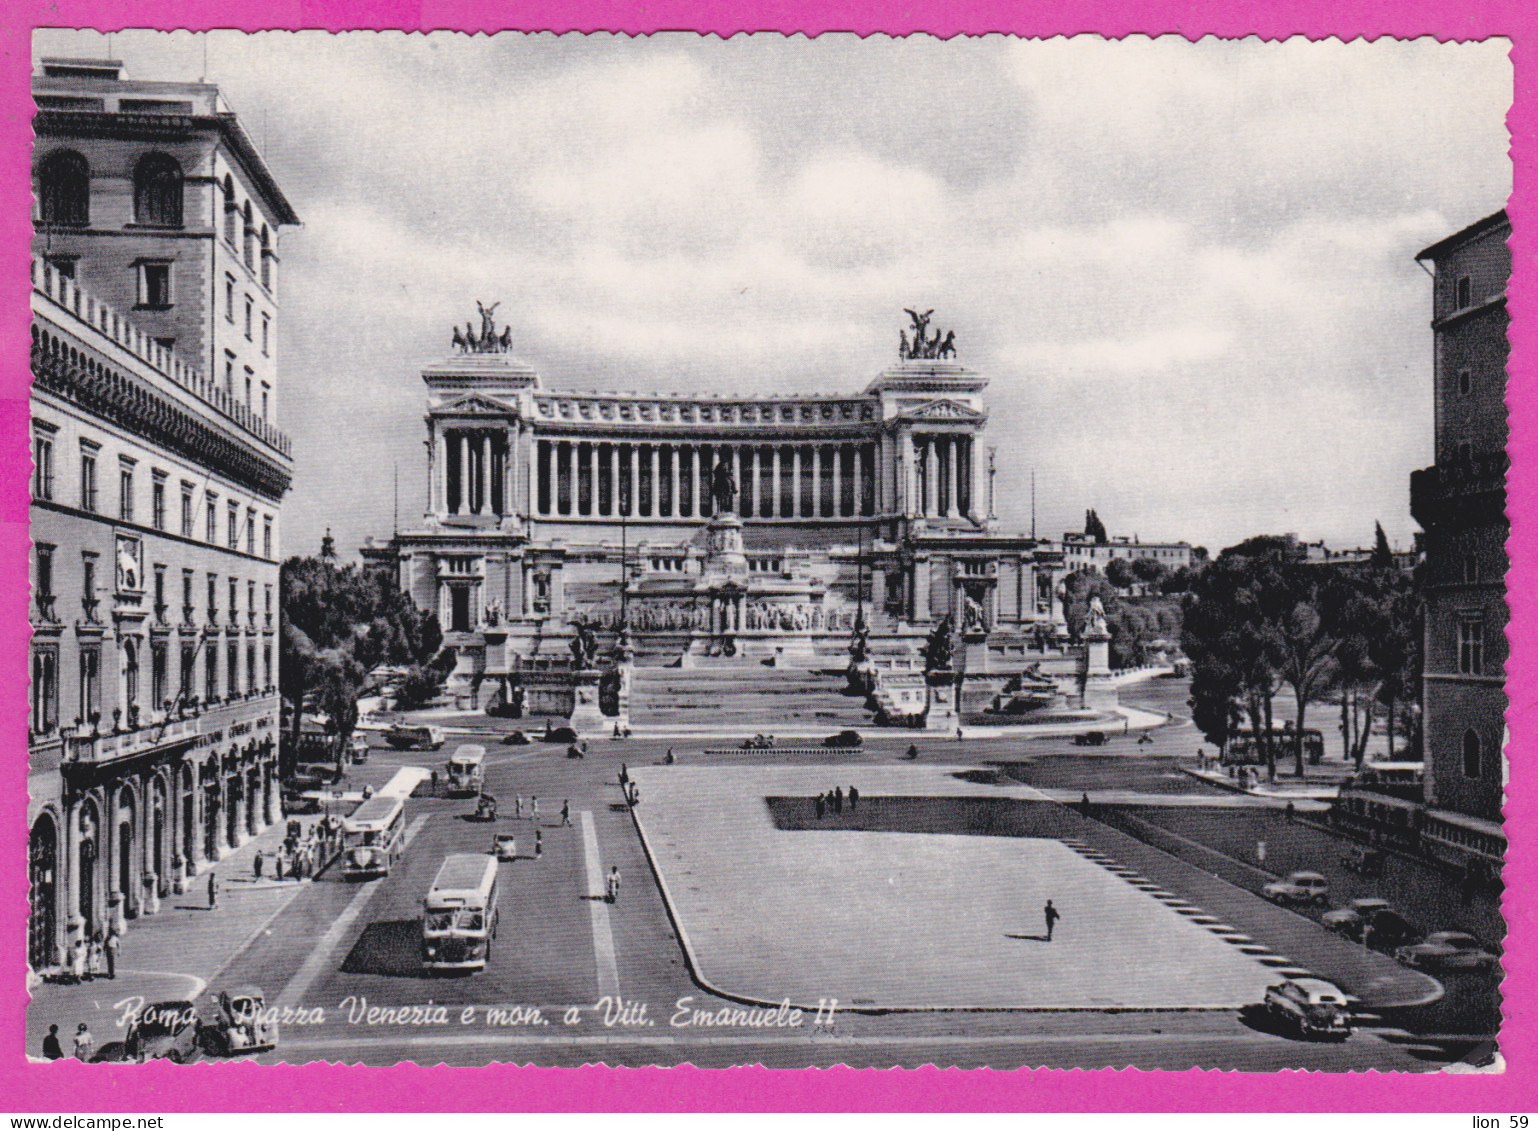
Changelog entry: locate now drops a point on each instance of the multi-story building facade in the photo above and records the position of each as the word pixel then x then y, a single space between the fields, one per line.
pixel 1460 501
pixel 156 492
pixel 548 507
pixel 1082 552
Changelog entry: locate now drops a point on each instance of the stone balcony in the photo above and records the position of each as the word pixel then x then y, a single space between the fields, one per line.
pixel 99 749
pixel 1465 491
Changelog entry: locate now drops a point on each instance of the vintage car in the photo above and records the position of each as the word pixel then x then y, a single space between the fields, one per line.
pixel 166 1030
pixel 1448 950
pixel 1312 1007
pixel 759 742
pixel 1298 888
pixel 1092 738
pixel 515 738
pixel 485 808
pixel 241 1024
pixel 504 846
pixel 1364 861
pixel 414 738
pixel 844 740
pixel 1350 919
pixel 558 734
pixel 357 749
pixel 1387 930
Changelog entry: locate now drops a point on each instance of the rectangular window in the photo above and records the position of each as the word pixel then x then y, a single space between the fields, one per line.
pixel 250 312
pixel 234 601
pixel 267 606
pixel 43 586
pixel 42 466
pixel 251 602
pixel 1465 293
pixel 90 684
pixel 45 688
pixel 188 506
pixel 251 530
pixel 232 671
pixel 266 331
pixel 88 583
pixel 229 373
pixel 158 695
pixel 189 669
pixel 125 492
pixel 63 265
pixel 229 299
pixel 88 480
pixel 160 590
pixel 187 609
pixel 158 500
pixel 211 674
pixel 267 666
pixel 211 518
pixel 233 515
pixel 250 380
pixel 155 285
pixel 1465 382
pixel 267 536
pixel 266 388
pixel 213 598
pixel 250 668
pixel 1471 647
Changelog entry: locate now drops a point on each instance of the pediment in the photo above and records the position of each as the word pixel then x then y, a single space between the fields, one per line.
pixel 943 409
pixel 475 405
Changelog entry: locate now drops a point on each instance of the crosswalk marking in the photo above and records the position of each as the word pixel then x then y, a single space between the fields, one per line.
pixel 598 911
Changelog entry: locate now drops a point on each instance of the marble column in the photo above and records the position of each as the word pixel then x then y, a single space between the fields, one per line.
pixel 857 497
pixel 774 482
pixel 654 496
pixel 696 489
pixel 592 471
pixel 931 478
pixel 837 477
pixel 948 475
pixel 817 480
pixel 676 463
pixel 456 460
pixel 611 457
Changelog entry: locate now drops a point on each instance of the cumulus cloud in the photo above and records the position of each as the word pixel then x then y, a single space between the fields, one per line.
pixel 1187 269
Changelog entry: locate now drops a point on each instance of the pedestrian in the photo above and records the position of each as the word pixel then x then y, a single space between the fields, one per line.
pixel 1291 813
pixel 838 799
pixel 635 794
pixel 114 940
pixel 1260 852
pixel 624 775
pixel 85 1044
pixel 93 957
pixel 668 759
pixel 213 891
pixel 77 961
pixel 822 806
pixel 566 813
pixel 913 752
pixel 854 798
pixel 613 885
pixel 52 1050
pixel 256 865
pixel 958 734
pixel 534 809
pixel 539 844
pixel 1049 913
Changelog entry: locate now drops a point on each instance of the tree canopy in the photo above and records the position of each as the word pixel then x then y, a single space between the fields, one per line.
pixel 1094 528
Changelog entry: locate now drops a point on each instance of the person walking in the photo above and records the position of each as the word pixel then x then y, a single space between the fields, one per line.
pixel 213 891
pixel 534 809
pixel 114 940
pixel 518 807
pixel 539 844
pixel 854 798
pixel 822 806
pixel 93 957
pixel 1049 913
pixel 635 794
pixel 913 751
pixel 77 961
pixel 52 1050
pixel 838 799
pixel 613 883
pixel 566 814
pixel 256 865
pixel 85 1044
pixel 624 775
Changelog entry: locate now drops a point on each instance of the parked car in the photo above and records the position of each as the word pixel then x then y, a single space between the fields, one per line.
pixel 357 750
pixel 414 738
pixel 1348 920
pixel 504 846
pixel 241 1024
pixel 1364 861
pixel 1298 888
pixel 1448 950
pixel 844 740
pixel 1312 1007
pixel 515 738
pixel 1090 738
pixel 166 1030
pixel 1387 931
pixel 559 734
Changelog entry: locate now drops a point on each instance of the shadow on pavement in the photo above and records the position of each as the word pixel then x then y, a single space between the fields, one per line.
pixel 391 948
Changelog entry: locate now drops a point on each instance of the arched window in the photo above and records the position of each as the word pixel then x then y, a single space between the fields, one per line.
pixel 64 188
pixel 231 212
pixel 158 191
pixel 250 237
pixel 1471 754
pixel 266 259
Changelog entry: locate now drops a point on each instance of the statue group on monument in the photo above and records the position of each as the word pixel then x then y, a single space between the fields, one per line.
pixel 723 488
pixel 488 340
pixel 923 347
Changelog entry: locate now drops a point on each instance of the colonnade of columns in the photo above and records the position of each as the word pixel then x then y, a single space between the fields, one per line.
pixel 943 475
pixel 475 461
pixel 667 480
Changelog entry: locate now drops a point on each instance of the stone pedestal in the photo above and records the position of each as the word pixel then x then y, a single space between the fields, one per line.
pixel 975 652
pixel 940 714
pixel 585 713
pixel 724 557
pixel 1096 692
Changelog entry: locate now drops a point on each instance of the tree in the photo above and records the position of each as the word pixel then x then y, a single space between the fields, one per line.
pixel 1094 528
pixel 1382 555
pixel 1150 571
pixel 339 623
pixel 1119 572
pixel 1078 588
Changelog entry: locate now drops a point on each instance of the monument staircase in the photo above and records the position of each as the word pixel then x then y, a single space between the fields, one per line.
pixel 746 695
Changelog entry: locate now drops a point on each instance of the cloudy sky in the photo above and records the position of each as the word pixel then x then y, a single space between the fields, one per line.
pixel 1187 269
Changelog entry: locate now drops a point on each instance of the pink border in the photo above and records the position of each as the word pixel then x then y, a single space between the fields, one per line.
pixel 67 1087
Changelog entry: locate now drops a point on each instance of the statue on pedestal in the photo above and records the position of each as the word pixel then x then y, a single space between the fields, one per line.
pixel 972 615
pixel 723 488
pixel 584 646
pixel 1096 621
pixel 938 646
pixel 859 646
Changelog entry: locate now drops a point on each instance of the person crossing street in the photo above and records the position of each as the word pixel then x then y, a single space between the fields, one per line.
pixel 1050 914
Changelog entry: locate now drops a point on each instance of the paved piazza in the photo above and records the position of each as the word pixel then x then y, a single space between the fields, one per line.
pixel 911 920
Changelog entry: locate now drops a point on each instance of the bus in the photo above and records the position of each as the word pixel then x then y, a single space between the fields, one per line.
pixel 1242 749
pixel 405 780
pixel 465 772
pixel 373 836
pixel 459 915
